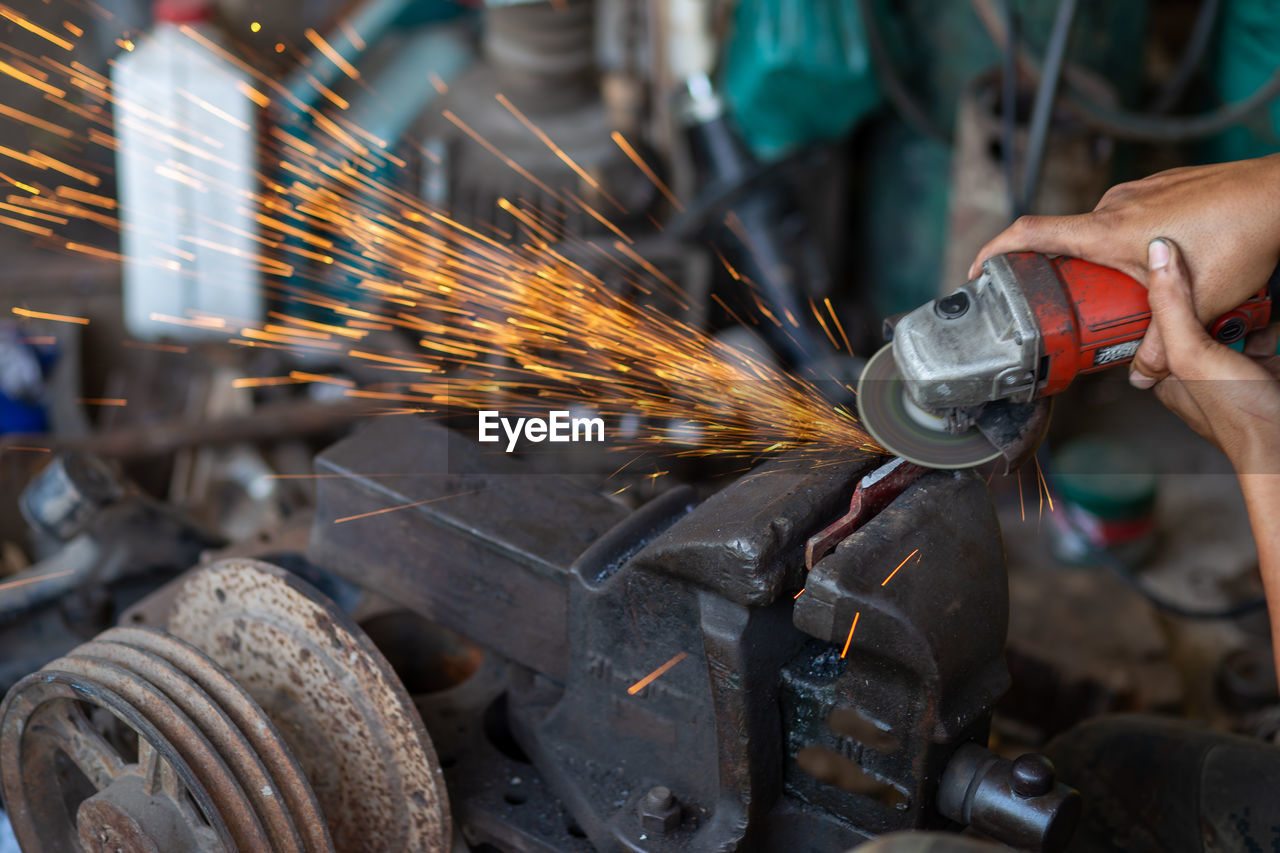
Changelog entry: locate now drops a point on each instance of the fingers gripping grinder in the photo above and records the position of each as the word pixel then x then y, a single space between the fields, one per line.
pixel 968 377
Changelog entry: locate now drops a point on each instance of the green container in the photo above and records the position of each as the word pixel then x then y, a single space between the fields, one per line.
pixel 1108 491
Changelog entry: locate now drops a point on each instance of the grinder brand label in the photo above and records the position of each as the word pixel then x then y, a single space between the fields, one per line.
pixel 1115 352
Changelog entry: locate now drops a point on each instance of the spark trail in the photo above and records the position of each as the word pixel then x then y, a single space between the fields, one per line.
pixel 511 320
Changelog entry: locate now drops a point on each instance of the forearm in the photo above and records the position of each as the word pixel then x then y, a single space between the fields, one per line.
pixel 1262 497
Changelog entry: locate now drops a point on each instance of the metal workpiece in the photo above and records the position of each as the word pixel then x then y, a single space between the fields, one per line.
pixel 1018 802
pixel 990 350
pixel 953 585
pixel 925 579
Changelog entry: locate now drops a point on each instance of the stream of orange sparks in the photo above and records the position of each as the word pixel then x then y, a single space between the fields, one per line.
pixel 496 322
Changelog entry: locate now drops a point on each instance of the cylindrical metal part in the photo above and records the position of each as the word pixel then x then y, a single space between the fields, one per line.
pixel 1016 802
pixel 71 489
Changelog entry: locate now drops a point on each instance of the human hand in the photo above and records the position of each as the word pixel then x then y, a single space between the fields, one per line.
pixel 1226 217
pixel 1230 398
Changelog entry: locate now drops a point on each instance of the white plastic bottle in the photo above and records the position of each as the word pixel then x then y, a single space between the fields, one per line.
pixel 186 165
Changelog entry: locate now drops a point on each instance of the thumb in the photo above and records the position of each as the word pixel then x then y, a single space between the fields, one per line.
pixel 1173 314
pixel 1149 364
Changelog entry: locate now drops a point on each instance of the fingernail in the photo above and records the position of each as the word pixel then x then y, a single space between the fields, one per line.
pixel 1141 381
pixel 1157 254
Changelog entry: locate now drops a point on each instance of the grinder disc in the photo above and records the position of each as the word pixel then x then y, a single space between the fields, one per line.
pixel 883 409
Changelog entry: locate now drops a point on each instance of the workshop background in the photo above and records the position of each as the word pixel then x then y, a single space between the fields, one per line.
pixel 422 646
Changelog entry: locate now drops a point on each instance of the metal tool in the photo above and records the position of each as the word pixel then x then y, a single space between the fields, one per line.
pixel 968 378
pixel 761 733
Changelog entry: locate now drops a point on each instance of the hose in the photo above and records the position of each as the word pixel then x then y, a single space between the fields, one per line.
pixel 1176 83
pixel 1009 113
pixel 1121 124
pixel 1046 95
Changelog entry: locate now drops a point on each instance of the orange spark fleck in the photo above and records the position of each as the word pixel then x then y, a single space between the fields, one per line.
pixel 849 639
pixel 839 327
pixel 656 674
pixel 403 506
pixel 634 156
pixel 800 593
pixel 332 55
pixel 263 381
pixel 1044 482
pixel 13 16
pixel 102 401
pixel 1021 504
pixel 352 36
pixel 57 318
pixel 316 377
pixel 35 83
pixel 37 579
pixel 900 565
pixel 25 447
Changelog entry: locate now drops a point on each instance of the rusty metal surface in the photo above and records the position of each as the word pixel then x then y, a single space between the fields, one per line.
pixel 53 759
pixel 212 722
pixel 261 735
pixel 334 698
pixel 177 725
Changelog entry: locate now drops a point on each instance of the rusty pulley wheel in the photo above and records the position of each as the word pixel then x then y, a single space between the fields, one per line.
pixel 137 742
pixel 336 701
pixel 110 748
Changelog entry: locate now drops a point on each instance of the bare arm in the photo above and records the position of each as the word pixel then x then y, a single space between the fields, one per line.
pixel 1230 398
pixel 1262 496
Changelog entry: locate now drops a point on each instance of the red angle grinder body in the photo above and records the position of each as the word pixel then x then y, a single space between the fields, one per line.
pixel 967 378
pixel 1092 317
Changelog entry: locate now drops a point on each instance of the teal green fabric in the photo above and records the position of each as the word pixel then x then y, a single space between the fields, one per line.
pixel 796 72
pixel 1248 54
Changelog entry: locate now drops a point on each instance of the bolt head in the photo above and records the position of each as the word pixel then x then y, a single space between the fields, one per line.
pixel 1032 776
pixel 659 811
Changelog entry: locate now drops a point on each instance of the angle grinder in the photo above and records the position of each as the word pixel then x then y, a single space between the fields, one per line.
pixel 969 377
